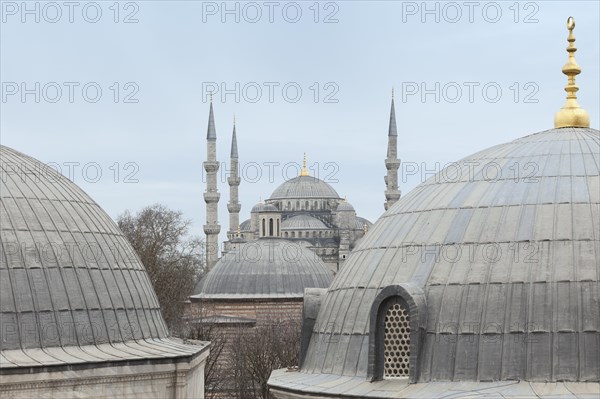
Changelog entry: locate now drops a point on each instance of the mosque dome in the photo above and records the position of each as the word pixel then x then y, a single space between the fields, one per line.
pixel 303 222
pixel 498 273
pixel 69 277
pixel 345 206
pixel 264 268
pixel 263 207
pixel 304 187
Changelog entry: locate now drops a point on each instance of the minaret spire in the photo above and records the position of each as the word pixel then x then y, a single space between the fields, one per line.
pixel 571 115
pixel 392 194
pixel 233 206
pixel 211 196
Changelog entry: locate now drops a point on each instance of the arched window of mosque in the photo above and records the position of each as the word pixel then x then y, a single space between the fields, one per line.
pixel 297 205
pixel 293 234
pixel 307 205
pixel 286 234
pixel 396 339
pixel 278 233
pixel 316 205
pixel 306 234
pixel 271 227
pixel 289 205
pixel 263 228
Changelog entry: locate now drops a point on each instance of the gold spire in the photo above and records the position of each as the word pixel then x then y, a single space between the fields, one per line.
pixel 304 171
pixel 571 115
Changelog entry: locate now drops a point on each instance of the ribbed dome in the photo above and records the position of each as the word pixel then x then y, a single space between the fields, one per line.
pixel 304 187
pixel 345 206
pixel 68 276
pixel 263 207
pixel 303 222
pixel 265 268
pixel 505 247
pixel 246 225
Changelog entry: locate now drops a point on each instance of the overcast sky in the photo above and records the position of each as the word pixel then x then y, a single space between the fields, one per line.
pixel 121 89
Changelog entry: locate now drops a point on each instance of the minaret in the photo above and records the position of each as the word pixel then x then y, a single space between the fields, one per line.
pixel 234 181
pixel 392 194
pixel 211 196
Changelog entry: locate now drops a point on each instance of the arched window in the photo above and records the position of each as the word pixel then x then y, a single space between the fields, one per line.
pixel 293 234
pixel 271 227
pixel 307 205
pixel 297 205
pixel 397 328
pixel 278 233
pixel 263 228
pixel 289 206
pixel 286 234
pixel 396 339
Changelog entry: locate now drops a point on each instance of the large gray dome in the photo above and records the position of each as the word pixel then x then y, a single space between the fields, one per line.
pixel 265 268
pixel 304 187
pixel 498 258
pixel 68 276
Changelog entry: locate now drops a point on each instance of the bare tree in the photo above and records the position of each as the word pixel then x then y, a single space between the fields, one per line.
pixel 267 348
pixel 174 260
pixel 203 328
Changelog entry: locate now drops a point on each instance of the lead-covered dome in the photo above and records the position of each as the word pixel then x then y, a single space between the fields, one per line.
pixel 68 276
pixel 303 222
pixel 304 187
pixel 490 271
pixel 264 268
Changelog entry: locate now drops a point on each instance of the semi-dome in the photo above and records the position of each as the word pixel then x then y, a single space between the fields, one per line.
pixel 304 187
pixel 487 271
pixel 69 278
pixel 264 268
pixel 303 222
pixel 246 225
pixel 264 207
pixel 345 206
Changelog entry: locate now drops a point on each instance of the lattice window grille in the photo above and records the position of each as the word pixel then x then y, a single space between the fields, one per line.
pixel 396 341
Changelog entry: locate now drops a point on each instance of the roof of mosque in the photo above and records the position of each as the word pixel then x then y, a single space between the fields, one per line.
pixel 482 247
pixel 68 276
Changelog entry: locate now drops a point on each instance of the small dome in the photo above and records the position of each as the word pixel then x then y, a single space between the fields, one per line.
pixel 304 187
pixel 68 275
pixel 264 207
pixel 246 226
pixel 265 268
pixel 360 223
pixel 303 222
pixel 345 206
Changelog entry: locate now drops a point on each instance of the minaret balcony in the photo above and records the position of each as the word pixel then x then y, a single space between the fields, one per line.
pixel 211 166
pixel 234 208
pixel 212 229
pixel 392 163
pixel 211 196
pixel 233 181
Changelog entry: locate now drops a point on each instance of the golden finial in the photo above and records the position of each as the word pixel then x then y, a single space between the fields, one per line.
pixel 304 171
pixel 571 115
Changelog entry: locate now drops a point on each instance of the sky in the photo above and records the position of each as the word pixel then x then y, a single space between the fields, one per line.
pixel 115 94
